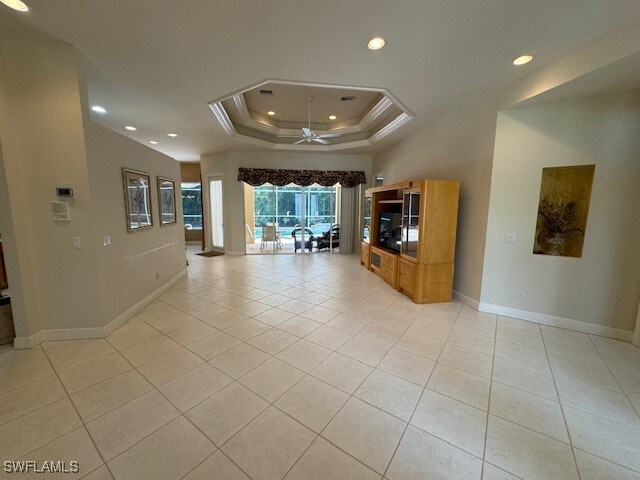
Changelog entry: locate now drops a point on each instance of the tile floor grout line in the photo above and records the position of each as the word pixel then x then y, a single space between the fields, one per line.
pixel 566 425
pixel 606 459
pixel 84 426
pixel 612 374
pixel 395 451
pixel 351 395
pixel 237 273
pixel 502 470
pixel 486 426
pixel 217 448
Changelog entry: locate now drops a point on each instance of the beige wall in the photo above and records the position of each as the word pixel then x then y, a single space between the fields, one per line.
pixel 227 163
pixel 43 145
pixel 461 145
pixel 132 260
pixel 59 291
pixel 190 172
pixel 458 148
pixel 603 286
pixel 249 211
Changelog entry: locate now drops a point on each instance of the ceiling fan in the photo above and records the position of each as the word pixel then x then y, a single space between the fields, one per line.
pixel 309 135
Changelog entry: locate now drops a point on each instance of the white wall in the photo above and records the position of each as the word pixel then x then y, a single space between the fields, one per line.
pixel 43 145
pixel 132 260
pixel 228 163
pixel 47 140
pixel 461 145
pixel 603 286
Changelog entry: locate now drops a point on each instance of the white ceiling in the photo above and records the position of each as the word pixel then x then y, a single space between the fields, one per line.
pixel 157 64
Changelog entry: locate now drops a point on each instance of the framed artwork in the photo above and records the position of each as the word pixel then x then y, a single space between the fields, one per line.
pixel 565 194
pixel 137 200
pixel 167 201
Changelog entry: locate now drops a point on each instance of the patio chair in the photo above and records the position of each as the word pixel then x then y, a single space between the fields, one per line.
pixel 297 244
pixel 325 241
pixel 270 234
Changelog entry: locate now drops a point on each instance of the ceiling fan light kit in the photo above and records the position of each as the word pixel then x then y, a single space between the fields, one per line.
pixel 309 135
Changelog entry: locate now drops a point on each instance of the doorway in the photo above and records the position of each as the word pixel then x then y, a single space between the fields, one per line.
pixel 216 208
pixel 284 219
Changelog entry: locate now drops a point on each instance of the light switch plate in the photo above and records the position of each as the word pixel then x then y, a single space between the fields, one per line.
pixel 77 243
pixel 510 238
pixel 106 240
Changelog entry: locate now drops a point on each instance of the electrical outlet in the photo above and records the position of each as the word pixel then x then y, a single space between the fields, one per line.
pixel 519 295
pixel 77 243
pixel 126 294
pixel 510 238
pixel 106 240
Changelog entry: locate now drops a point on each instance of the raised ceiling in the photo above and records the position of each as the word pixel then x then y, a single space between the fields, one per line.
pixel 289 102
pixel 158 64
pixel 272 113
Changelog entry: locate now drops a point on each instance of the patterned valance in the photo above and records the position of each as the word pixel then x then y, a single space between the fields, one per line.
pixel 304 178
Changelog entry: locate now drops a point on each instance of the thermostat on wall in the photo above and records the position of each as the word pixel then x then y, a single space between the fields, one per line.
pixel 64 191
pixel 60 211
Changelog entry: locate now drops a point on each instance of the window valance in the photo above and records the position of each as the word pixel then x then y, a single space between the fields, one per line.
pixel 304 178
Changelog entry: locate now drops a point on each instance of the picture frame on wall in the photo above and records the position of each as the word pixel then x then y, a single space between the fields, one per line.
pixel 563 208
pixel 137 200
pixel 167 201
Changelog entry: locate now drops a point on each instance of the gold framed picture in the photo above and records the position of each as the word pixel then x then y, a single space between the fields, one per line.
pixel 167 201
pixel 563 208
pixel 137 200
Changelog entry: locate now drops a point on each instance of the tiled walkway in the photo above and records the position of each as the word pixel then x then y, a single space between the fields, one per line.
pixel 308 367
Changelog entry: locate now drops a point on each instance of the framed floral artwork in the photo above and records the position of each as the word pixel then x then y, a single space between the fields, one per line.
pixel 137 200
pixel 563 208
pixel 167 201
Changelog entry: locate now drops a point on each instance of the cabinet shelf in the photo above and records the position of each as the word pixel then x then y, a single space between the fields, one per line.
pixel 398 201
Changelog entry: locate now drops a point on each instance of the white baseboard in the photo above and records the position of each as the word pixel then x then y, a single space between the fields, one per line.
pixel 20 343
pixel 543 319
pixel 121 319
pixel 553 321
pixel 461 297
pixel 230 252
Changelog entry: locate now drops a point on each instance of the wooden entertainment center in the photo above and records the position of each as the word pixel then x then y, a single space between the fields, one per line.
pixel 409 237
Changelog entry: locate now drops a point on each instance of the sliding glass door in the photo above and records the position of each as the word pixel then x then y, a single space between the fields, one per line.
pixel 291 218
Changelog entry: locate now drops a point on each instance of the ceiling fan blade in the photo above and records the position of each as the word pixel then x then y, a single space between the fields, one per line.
pixel 290 136
pixel 320 140
pixel 307 132
pixel 329 135
pixel 299 141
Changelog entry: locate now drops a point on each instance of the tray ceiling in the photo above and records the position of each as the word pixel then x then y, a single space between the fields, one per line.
pixel 363 115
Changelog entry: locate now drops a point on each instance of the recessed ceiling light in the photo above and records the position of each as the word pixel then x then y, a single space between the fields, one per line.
pixel 99 109
pixel 523 59
pixel 172 134
pixel 376 43
pixel 16 5
pixel 271 113
pixel 130 128
pixel 153 142
pixel 332 117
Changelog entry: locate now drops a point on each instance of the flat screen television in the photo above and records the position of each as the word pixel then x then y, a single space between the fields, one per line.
pixel 390 230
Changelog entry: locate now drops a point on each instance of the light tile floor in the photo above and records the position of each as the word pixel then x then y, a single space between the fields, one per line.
pixel 309 367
